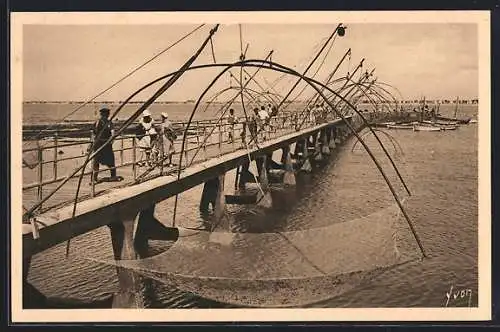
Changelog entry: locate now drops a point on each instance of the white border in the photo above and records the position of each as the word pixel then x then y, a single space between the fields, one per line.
pixel 483 312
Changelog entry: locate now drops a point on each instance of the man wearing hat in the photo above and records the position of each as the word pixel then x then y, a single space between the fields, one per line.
pixel 102 132
pixel 168 137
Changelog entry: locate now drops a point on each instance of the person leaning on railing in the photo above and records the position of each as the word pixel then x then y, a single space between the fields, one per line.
pixel 231 120
pixel 264 121
pixel 253 125
pixel 102 132
pixel 168 137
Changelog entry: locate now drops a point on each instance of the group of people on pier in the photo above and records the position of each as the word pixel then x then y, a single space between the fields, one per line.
pixel 156 142
pixel 258 123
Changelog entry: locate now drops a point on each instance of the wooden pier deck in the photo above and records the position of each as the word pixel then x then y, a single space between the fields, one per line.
pixel 127 198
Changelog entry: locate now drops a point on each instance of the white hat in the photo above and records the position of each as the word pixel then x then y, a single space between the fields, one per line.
pixel 164 114
pixel 146 113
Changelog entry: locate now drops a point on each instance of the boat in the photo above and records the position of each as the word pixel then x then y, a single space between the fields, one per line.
pixel 464 121
pixel 455 119
pixel 400 126
pixel 381 124
pixel 440 123
pixel 425 128
pixel 449 127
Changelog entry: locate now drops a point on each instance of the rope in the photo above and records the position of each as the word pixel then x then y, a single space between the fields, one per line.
pixel 310 65
pixel 315 73
pixel 280 68
pixel 167 85
pixel 312 82
pixel 242 57
pixel 316 97
pixel 305 110
pixel 212 48
pixel 122 79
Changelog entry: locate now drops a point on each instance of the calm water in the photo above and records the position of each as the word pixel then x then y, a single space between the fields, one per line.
pixel 439 168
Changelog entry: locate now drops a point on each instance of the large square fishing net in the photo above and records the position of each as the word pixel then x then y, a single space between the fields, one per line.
pixel 282 269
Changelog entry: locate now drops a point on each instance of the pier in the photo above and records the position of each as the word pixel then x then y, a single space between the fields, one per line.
pixel 127 207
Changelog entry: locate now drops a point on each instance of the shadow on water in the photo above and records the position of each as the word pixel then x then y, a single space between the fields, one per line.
pixel 239 219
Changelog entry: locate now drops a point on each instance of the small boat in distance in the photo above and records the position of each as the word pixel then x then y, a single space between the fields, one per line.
pixel 449 127
pixel 425 128
pixel 383 124
pixel 400 126
pixel 441 123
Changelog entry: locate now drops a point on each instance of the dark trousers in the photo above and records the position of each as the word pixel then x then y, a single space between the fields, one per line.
pixel 95 169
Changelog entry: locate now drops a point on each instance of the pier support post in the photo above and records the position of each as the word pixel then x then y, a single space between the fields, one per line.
pixel 262 167
pixel 333 135
pixel 124 248
pixel 338 135
pixel 213 193
pixel 306 165
pixel 284 152
pixel 220 198
pixel 297 149
pixel 324 143
pixel 314 139
pixel 150 228
pixel 289 176
pixel 244 174
pixel 317 149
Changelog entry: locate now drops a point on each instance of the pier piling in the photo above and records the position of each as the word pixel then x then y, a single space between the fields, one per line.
pixel 306 165
pixel 324 141
pixel 220 198
pixel 289 176
pixel 209 194
pixel 124 248
pixel 266 200
pixel 317 149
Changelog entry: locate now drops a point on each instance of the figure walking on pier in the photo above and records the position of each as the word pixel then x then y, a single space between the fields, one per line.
pixel 264 121
pixel 231 120
pixel 167 137
pixel 146 134
pixel 102 131
pixel 253 125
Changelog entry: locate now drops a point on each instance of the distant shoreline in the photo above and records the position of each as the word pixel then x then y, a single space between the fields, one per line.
pixel 471 101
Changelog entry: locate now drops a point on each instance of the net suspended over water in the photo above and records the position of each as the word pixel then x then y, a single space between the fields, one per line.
pixel 285 268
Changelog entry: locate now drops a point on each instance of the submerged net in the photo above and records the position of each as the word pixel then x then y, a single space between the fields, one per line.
pixel 282 269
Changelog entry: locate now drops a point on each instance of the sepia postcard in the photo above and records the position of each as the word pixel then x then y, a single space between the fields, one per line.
pixel 250 166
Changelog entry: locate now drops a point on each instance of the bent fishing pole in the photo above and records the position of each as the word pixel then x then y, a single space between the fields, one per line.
pixel 173 78
pixel 316 96
pixel 314 83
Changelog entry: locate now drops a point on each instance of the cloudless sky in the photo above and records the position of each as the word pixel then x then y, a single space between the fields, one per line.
pixel 62 63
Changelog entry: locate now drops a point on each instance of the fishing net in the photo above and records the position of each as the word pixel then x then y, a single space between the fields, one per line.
pixel 282 269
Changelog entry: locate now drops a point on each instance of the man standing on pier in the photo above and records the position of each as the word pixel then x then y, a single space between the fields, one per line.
pixel 102 131
pixel 168 137
pixel 231 120
pixel 264 121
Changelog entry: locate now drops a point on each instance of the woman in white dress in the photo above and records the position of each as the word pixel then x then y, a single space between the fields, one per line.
pixel 146 135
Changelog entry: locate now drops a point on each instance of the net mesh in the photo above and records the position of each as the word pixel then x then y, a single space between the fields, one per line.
pixel 283 268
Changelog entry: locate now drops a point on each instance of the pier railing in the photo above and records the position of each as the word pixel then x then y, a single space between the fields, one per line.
pixel 53 159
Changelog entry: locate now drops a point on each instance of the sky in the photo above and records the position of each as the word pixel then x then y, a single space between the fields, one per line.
pixel 76 62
